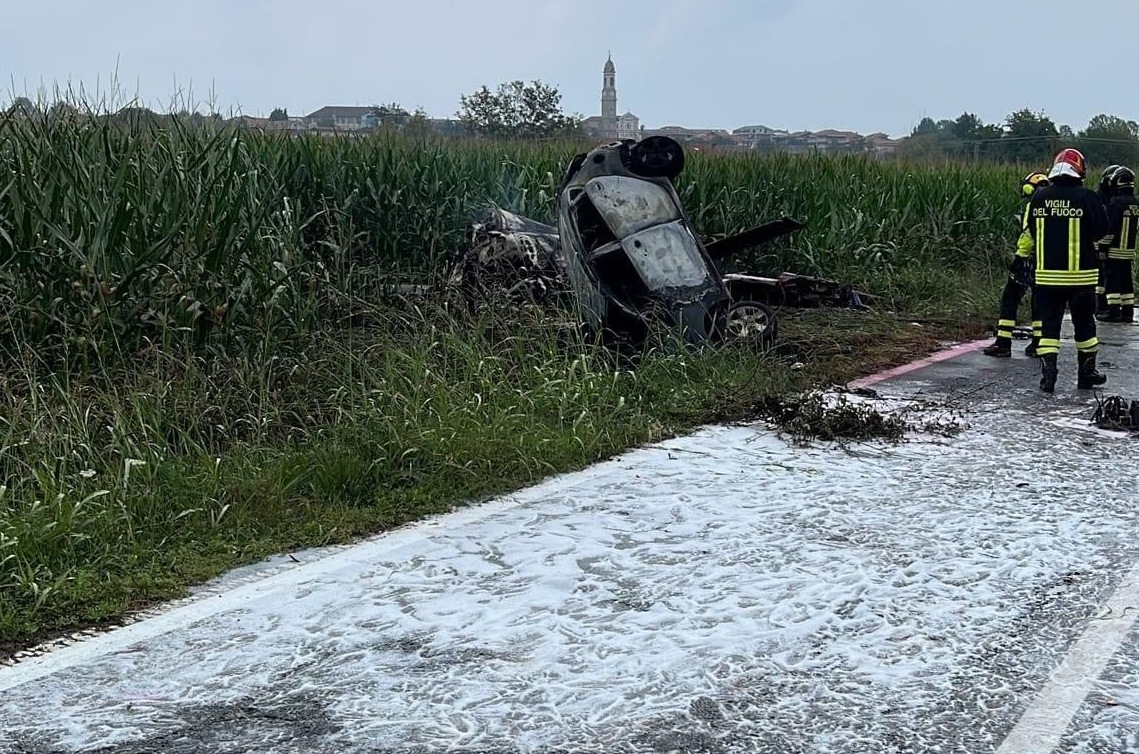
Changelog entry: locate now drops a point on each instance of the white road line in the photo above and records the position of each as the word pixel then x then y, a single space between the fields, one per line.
pixel 1048 716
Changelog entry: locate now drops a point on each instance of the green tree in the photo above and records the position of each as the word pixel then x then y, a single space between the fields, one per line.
pixel 22 106
pixel 976 138
pixel 1029 137
pixel 391 115
pixel 1109 139
pixel 279 113
pixel 418 123
pixel 517 110
pixel 925 127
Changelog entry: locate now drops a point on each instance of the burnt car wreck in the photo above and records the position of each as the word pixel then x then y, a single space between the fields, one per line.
pixel 625 259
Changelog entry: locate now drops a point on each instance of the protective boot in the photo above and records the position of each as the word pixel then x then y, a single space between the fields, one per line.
pixel 1030 349
pixel 1111 315
pixel 1127 314
pixel 1048 372
pixel 1100 304
pixel 1087 376
pixel 1001 347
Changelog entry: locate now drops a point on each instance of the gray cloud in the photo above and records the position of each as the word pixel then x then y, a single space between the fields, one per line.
pixel 871 65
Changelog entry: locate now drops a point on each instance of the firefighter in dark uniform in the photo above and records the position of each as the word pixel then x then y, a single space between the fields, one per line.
pixel 1104 194
pixel 1019 280
pixel 1065 221
pixel 1117 249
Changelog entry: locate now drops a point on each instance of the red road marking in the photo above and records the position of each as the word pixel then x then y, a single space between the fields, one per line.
pixel 943 355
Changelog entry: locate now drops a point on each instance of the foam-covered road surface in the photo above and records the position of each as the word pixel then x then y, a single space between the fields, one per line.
pixel 723 592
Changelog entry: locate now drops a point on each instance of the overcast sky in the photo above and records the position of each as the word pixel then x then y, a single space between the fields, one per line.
pixel 862 65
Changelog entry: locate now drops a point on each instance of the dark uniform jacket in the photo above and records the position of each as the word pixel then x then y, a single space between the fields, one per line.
pixel 1065 221
pixel 1123 225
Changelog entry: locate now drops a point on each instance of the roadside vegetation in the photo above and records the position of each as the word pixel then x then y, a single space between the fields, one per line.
pixel 204 362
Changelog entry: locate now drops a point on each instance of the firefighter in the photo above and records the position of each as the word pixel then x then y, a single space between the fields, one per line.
pixel 1117 249
pixel 1019 281
pixel 1104 194
pixel 1065 221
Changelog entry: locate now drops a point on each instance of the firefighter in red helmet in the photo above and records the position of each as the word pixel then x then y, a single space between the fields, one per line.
pixel 1065 221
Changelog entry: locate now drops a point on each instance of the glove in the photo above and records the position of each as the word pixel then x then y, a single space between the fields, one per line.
pixel 1021 271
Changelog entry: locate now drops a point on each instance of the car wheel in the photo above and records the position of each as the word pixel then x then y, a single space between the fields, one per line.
pixel 750 321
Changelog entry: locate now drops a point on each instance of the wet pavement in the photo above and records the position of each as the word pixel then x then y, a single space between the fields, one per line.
pixel 723 592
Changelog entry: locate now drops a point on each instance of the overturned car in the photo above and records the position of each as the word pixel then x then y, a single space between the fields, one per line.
pixel 625 259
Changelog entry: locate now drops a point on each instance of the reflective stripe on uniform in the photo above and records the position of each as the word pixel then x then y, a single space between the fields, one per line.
pixel 1047 346
pixel 1004 328
pixel 1072 275
pixel 1074 278
pixel 1037 328
pixel 1091 345
pixel 1074 243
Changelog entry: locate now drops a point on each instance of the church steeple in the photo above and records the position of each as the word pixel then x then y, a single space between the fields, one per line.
pixel 609 99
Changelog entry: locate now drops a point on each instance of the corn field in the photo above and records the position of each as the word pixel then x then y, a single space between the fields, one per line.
pixel 115 234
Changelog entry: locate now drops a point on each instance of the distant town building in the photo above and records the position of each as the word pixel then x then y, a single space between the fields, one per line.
pixel 609 125
pixel 340 118
pixel 609 99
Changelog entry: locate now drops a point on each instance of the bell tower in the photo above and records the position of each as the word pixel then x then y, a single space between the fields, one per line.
pixel 609 100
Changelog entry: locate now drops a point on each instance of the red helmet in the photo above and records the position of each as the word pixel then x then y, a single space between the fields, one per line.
pixel 1069 162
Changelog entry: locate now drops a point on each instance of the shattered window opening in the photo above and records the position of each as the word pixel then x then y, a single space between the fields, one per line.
pixel 596 237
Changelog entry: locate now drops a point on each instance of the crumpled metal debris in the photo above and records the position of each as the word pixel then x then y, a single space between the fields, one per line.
pixel 1116 413
pixel 508 255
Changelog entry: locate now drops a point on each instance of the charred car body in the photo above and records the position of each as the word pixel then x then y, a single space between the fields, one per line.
pixel 625 259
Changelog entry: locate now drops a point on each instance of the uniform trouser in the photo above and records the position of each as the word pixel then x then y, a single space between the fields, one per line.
pixel 1052 300
pixel 1119 285
pixel 1010 302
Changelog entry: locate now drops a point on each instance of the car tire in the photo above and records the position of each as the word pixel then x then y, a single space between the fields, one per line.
pixel 750 321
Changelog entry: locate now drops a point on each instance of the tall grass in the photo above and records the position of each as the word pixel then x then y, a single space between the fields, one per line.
pixel 200 362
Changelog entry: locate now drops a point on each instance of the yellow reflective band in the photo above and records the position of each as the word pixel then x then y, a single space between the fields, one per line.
pixel 1113 299
pixel 1073 244
pixel 1049 342
pixel 1039 244
pixel 1074 278
pixel 1006 323
pixel 1125 237
pixel 1084 345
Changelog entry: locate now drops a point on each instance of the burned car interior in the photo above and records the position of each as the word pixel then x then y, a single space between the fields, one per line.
pixel 625 259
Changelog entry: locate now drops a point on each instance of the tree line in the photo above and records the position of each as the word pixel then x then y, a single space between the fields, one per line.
pixel 1025 136
pixel 520 110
